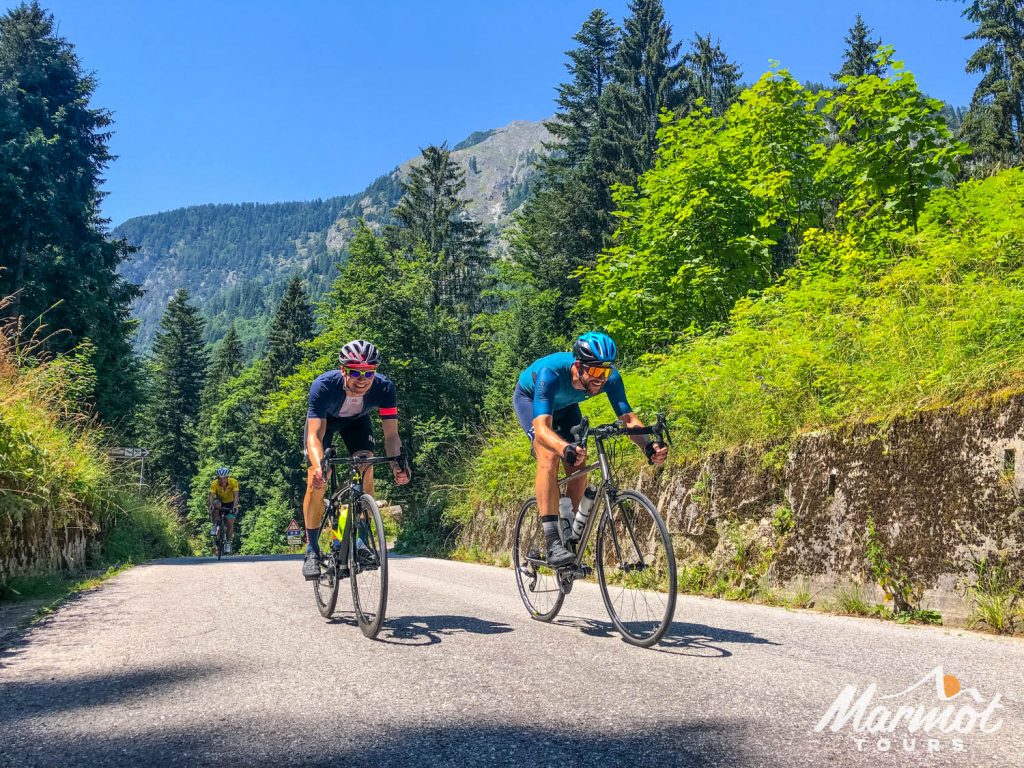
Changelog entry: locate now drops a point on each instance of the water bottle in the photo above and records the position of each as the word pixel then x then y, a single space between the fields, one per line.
pixel 586 505
pixel 565 518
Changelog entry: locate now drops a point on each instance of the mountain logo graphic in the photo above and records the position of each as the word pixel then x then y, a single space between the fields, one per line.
pixel 955 709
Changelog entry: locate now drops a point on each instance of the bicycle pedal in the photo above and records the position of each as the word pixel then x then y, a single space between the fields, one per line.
pixel 583 571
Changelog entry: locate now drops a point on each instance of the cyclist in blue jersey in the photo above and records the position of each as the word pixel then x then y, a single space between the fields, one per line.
pixel 546 401
pixel 340 402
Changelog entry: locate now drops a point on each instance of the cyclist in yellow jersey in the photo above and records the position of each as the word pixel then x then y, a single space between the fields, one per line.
pixel 223 500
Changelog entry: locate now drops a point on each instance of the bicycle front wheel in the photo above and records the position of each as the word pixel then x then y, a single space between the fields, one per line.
pixel 538 584
pixel 326 587
pixel 636 569
pixel 368 566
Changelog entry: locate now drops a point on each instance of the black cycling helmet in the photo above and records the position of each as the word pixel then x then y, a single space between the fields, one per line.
pixel 594 348
pixel 359 352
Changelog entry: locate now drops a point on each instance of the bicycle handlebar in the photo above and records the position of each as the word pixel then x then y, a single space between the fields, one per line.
pixel 331 458
pixel 659 430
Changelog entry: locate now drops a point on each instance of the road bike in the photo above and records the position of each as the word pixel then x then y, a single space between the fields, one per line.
pixel 220 538
pixel 632 553
pixel 362 557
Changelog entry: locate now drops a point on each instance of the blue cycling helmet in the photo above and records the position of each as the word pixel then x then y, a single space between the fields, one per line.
pixel 222 472
pixel 595 348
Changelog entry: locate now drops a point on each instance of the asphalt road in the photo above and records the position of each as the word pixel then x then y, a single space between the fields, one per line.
pixel 194 662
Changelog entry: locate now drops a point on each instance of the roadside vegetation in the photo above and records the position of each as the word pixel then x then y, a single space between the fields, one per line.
pixel 54 474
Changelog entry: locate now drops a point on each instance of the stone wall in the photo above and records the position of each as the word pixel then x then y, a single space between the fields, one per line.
pixel 942 486
pixel 32 544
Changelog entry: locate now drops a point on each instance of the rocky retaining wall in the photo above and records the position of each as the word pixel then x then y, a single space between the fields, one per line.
pixel 942 487
pixel 32 544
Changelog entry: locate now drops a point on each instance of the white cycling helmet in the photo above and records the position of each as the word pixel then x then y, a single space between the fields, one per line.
pixel 359 352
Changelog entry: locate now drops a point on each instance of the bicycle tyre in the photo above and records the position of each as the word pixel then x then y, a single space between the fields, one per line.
pixel 653 534
pixel 369 584
pixel 528 545
pixel 325 588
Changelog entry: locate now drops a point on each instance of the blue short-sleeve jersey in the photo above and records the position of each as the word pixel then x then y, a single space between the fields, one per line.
pixel 327 396
pixel 549 382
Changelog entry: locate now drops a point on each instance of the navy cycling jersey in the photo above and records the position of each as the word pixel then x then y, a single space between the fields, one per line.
pixel 327 397
pixel 549 383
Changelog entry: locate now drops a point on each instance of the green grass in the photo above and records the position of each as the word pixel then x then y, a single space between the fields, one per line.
pixel 54 471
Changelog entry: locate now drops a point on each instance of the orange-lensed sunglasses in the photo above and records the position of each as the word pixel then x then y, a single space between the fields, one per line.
pixel 598 371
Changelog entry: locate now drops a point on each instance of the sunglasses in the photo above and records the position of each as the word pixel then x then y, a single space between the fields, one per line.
pixel 597 371
pixel 359 374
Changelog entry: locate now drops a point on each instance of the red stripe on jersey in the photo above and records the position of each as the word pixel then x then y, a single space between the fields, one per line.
pixel 389 412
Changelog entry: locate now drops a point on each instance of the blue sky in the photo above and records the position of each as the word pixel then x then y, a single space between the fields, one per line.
pixel 254 100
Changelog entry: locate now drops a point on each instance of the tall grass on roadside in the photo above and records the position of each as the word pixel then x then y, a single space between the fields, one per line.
pixel 54 472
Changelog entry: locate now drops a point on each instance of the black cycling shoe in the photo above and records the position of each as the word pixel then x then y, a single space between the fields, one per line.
pixel 366 558
pixel 311 567
pixel 558 555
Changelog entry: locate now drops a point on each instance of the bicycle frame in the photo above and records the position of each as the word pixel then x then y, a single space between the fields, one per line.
pixel 354 489
pixel 607 491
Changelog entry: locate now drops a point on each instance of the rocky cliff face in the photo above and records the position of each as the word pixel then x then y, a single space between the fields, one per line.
pixel 942 487
pixel 498 165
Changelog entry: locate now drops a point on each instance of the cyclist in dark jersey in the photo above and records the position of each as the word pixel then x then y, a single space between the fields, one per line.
pixel 340 402
pixel 546 401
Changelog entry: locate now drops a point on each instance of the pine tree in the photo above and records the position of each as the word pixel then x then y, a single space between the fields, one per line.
pixel 859 57
pixel 564 224
pixel 54 254
pixel 292 325
pixel 179 374
pixel 228 359
pixel 710 77
pixel 580 119
pixel 647 79
pixel 995 124
pixel 432 214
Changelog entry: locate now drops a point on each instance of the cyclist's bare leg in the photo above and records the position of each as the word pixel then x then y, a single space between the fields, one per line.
pixel 546 484
pixel 231 528
pixel 313 501
pixel 574 489
pixel 368 474
pixel 214 513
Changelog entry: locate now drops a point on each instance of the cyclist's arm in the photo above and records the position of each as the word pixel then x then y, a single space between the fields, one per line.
pixel 392 440
pixel 234 501
pixel 545 436
pixel 209 499
pixel 393 447
pixel 544 391
pixel 658 451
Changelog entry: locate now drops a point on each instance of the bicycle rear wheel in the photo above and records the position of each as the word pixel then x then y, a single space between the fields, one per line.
pixel 636 569
pixel 538 584
pixel 368 566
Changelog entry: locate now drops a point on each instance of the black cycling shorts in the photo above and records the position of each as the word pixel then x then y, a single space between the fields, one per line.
pixel 562 420
pixel 355 432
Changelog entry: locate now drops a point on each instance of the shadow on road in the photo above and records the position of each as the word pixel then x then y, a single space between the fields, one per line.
pixel 26 700
pixel 464 744
pixel 228 559
pixel 428 630
pixel 682 638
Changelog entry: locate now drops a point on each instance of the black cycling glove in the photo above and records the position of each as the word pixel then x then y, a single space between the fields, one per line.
pixel 569 454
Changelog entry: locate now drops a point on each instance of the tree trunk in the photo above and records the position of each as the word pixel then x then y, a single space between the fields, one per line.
pixel 19 271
